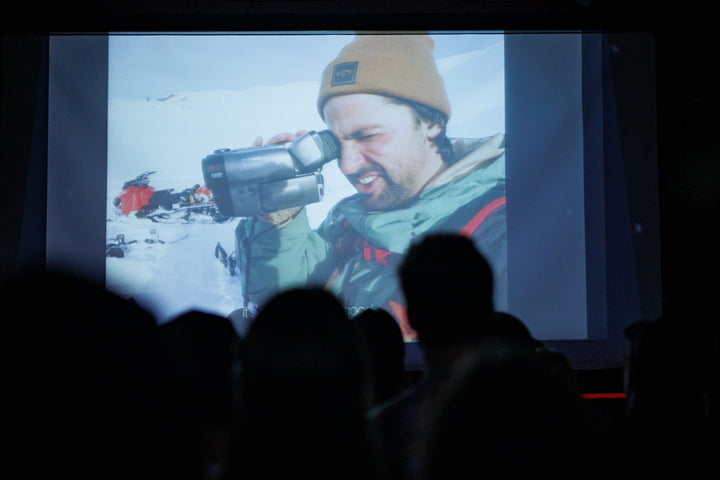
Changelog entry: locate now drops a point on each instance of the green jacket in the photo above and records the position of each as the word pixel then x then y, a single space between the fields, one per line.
pixel 347 253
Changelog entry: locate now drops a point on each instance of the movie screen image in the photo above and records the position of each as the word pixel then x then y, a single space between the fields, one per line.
pixel 225 183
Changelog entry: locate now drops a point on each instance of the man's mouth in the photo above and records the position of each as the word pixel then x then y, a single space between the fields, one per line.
pixel 365 182
pixel 367 179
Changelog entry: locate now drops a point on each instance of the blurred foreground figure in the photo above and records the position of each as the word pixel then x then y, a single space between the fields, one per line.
pixel 204 350
pixel 671 375
pixel 448 285
pixel 90 373
pixel 507 415
pixel 301 386
pixel 383 352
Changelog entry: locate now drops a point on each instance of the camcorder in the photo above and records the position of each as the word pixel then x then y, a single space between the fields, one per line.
pixel 255 181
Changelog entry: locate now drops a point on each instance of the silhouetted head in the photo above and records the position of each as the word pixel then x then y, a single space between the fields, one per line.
pixel 301 350
pixel 383 350
pixel 203 348
pixel 506 414
pixel 507 330
pixel 302 404
pixel 380 334
pixel 448 285
pixel 671 366
pixel 97 378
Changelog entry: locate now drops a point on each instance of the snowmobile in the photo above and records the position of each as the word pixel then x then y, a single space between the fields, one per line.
pixel 166 206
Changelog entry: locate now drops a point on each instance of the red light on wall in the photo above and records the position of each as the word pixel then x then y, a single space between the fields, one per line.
pixel 593 396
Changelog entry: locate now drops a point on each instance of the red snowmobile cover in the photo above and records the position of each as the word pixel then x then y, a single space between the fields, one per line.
pixel 134 198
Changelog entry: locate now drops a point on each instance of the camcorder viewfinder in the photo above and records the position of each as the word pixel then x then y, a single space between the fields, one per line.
pixel 255 181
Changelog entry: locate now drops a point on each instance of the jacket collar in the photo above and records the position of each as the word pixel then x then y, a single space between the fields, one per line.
pixel 473 154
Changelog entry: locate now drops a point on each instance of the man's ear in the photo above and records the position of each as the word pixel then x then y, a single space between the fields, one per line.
pixel 432 130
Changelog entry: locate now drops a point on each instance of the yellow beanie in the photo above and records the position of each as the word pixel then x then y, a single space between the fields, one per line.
pixel 397 65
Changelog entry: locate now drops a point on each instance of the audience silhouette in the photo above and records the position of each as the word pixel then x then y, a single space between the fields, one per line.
pixel 96 381
pixel 448 286
pixel 671 373
pixel 302 410
pixel 505 329
pixel 204 351
pixel 383 351
pixel 305 391
pixel 507 415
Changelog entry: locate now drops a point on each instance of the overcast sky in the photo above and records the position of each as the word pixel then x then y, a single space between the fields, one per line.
pixel 154 66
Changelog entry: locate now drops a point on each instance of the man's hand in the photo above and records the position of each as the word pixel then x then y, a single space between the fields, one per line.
pixel 280 138
pixel 281 217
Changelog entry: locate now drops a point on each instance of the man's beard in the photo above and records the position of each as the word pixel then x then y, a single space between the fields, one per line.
pixel 393 195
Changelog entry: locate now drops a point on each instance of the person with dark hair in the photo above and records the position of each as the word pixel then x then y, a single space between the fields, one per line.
pixel 670 367
pixel 505 414
pixel 384 100
pixel 559 364
pixel 88 390
pixel 505 329
pixel 507 332
pixel 204 349
pixel 671 372
pixel 448 285
pixel 383 351
pixel 301 405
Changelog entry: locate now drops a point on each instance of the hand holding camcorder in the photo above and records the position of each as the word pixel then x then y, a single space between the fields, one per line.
pixel 256 181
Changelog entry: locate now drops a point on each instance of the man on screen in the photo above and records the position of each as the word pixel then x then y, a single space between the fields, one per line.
pixel 384 100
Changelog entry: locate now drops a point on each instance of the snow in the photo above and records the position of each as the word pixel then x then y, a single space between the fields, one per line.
pixel 171 267
pixel 178 275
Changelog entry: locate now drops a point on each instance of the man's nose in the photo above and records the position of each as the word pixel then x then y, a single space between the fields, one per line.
pixel 351 158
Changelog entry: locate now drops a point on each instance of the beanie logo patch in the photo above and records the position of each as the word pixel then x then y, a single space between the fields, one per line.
pixel 344 74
